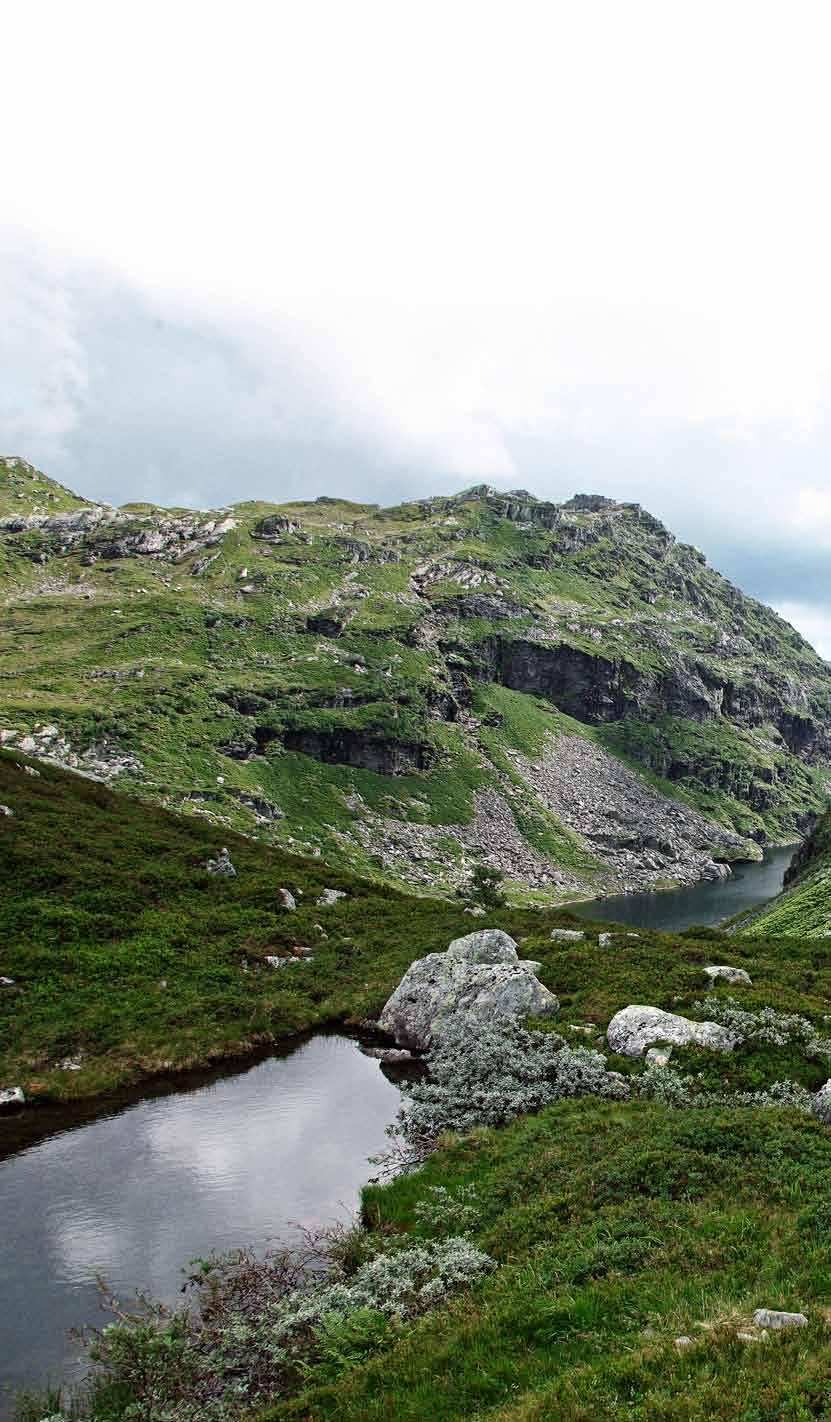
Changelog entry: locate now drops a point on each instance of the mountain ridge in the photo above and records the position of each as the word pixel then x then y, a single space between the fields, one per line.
pixel 397 689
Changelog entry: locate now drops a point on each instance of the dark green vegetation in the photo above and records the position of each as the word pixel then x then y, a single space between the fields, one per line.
pixel 803 909
pixel 381 683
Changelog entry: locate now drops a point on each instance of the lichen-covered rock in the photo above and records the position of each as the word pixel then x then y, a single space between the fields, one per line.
pixel 568 935
pixel 481 976
pixel 222 865
pixel 287 899
pixel 635 1028
pixel 722 972
pixel 821 1104
pixel 330 897
pixel 777 1318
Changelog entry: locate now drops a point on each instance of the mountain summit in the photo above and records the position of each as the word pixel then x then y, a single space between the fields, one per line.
pixel 564 691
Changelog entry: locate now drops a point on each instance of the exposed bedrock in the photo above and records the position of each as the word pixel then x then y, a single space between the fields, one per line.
pixel 356 748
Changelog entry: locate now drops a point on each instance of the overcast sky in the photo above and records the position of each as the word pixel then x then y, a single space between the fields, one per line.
pixel 391 249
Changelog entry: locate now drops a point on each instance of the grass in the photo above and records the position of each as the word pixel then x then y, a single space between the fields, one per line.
pixel 618 1228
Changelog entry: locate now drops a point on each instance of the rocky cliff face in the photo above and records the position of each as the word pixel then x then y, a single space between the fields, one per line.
pixel 412 690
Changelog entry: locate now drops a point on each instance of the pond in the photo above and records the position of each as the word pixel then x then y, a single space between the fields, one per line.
pixel 136 1194
pixel 706 903
pixel 133 1190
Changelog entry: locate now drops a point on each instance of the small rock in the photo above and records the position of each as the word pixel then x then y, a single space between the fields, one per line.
pixel 568 935
pixel 11 1097
pixel 5 810
pixel 724 973
pixel 635 1028
pixel 321 930
pixel 388 1054
pixel 476 911
pixel 275 962
pixel 657 1057
pixel 330 897
pixel 72 1063
pixel 222 865
pixel 752 1337
pixel 28 744
pixel 605 939
pixel 6 982
pixel 299 950
pixel 776 1318
pixel 684 1341
pixel 287 899
pixel 30 770
pixel 821 1104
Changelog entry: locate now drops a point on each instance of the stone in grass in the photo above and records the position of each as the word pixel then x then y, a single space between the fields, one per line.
pixel 11 1098
pixel 568 935
pixel 329 897
pixel 821 1104
pixel 6 982
pixel 723 972
pixel 222 865
pixel 287 899
pixel 635 1028
pixel 605 939
pixel 684 1342
pixel 658 1056
pixel 778 1319
pixel 481 976
pixel 7 811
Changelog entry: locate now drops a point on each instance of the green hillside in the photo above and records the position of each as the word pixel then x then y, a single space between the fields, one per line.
pixel 411 691
pixel 803 909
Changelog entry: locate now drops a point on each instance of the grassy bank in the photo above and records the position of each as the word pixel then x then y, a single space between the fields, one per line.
pixel 618 1229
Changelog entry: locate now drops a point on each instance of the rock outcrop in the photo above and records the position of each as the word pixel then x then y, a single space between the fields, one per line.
pixel 479 977
pixel 723 972
pixel 635 1028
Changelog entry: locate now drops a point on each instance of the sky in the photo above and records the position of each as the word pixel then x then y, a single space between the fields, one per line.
pixel 386 250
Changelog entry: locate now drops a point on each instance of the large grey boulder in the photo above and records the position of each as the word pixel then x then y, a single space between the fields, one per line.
pixel 635 1028
pixel 481 976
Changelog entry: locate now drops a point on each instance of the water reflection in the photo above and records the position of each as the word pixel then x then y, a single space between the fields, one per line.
pixel 135 1195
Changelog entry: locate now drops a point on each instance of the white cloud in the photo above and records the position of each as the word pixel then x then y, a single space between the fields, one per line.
pixel 813 621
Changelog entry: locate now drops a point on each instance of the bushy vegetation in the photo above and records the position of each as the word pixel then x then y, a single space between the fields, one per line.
pixel 803 909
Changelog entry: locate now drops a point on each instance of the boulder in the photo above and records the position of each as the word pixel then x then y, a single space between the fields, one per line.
pixel 776 1318
pixel 222 865
pixel 11 1097
pixel 287 899
pixel 568 935
pixel 635 1028
pixel 722 972
pixel 715 871
pixel 479 977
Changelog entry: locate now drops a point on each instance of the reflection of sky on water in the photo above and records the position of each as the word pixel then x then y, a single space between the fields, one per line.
pixel 134 1196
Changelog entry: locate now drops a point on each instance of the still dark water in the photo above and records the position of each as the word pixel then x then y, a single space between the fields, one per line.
pixel 133 1196
pixel 703 903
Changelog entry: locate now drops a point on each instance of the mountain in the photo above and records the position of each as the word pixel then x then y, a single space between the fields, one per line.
pixel 562 690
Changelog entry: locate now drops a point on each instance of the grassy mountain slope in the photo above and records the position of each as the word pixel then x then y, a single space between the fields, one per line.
pixel 128 957
pixel 804 906
pixel 400 688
